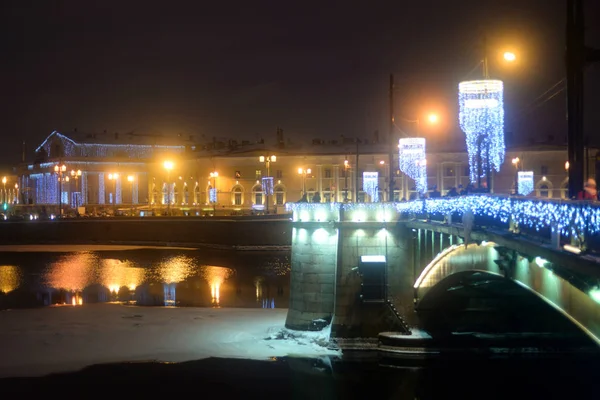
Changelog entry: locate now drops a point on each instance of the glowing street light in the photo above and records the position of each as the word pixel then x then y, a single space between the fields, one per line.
pixel 433 118
pixel 509 56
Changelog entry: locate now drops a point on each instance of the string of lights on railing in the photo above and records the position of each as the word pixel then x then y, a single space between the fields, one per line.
pixel 569 218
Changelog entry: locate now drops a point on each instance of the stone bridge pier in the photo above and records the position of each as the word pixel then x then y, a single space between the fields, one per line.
pixel 353 268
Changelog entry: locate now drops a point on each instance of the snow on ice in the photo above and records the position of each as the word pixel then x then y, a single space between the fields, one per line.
pixel 63 338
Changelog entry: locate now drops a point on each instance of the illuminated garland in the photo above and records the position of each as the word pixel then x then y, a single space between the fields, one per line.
pixel 371 185
pixel 212 195
pixel 412 161
pixel 84 187
pixel 569 218
pixel 267 184
pixel 525 182
pixel 97 150
pixel 481 117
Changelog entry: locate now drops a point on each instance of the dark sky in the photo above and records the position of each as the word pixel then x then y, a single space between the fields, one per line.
pixel 240 69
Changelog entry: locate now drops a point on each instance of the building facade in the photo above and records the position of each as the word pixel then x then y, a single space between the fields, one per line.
pixel 145 173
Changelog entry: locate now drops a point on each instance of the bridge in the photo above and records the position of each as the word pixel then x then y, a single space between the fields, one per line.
pixel 379 267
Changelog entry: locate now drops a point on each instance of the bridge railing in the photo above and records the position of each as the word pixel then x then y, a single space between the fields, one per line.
pixel 561 222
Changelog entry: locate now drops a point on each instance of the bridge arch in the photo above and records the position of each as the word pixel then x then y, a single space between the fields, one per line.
pixel 536 276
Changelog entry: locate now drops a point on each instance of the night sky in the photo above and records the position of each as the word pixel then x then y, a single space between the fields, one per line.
pixel 240 69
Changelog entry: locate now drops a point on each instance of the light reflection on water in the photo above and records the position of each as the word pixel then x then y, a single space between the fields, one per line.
pixel 9 278
pixel 172 280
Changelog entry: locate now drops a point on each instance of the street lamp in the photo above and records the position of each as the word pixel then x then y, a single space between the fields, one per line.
pixel 515 162
pixel 16 193
pixel 130 179
pixel 4 193
pixel 113 177
pixel 213 196
pixel 303 172
pixel 168 165
pixel 76 175
pixel 346 168
pixel 509 56
pixel 60 170
pixel 267 160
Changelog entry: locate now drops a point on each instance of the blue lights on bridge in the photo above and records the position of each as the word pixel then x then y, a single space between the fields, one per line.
pixel 569 218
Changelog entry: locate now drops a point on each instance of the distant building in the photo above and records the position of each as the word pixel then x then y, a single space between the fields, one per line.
pixel 124 171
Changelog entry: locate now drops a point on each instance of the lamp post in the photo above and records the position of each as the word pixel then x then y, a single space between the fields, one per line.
pixel 113 177
pixel 515 162
pixel 60 170
pixel 130 179
pixel 168 165
pixel 267 160
pixel 303 172
pixel 4 192
pixel 76 175
pixel 214 199
pixel 16 200
pixel 346 168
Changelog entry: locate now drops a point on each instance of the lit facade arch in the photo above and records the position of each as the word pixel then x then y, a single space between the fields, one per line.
pixel 258 195
pixel 196 194
pixel 543 188
pixel 564 189
pixel 280 194
pixel 237 195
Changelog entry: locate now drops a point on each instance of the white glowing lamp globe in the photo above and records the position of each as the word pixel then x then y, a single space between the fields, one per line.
pixel 481 117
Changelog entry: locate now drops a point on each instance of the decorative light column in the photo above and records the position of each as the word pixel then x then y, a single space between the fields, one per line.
pixel 481 117
pixel 267 181
pixel 412 161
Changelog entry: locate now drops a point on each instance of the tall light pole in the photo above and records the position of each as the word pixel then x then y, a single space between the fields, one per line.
pixel 213 199
pixel 168 165
pixel 130 179
pixel 76 175
pixel 16 200
pixel 515 162
pixel 4 192
pixel 346 169
pixel 303 172
pixel 113 177
pixel 267 160
pixel 60 170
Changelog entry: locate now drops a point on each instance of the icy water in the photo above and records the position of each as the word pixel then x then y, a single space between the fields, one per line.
pixel 149 277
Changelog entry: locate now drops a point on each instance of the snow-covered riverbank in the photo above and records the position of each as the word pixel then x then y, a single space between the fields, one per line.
pixel 45 340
